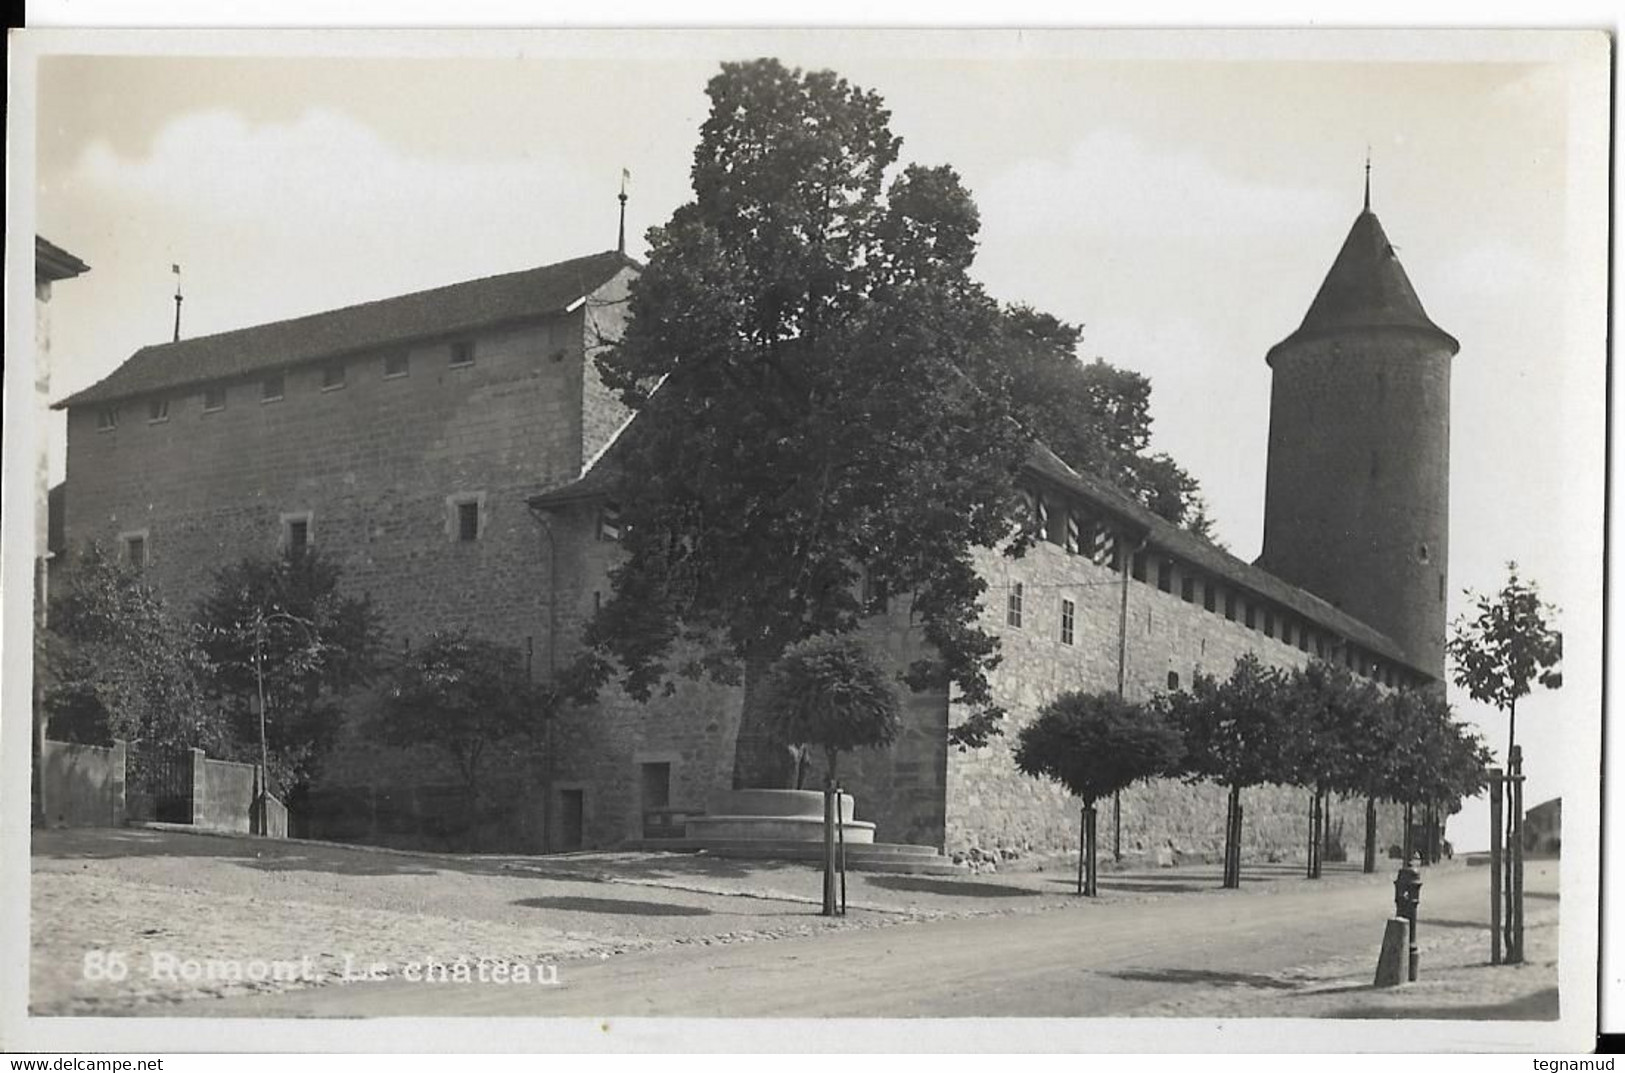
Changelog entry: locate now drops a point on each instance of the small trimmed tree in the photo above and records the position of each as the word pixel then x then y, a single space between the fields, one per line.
pixel 466 696
pixel 1327 708
pixel 1234 736
pixel 1096 744
pixel 828 693
pixel 1505 646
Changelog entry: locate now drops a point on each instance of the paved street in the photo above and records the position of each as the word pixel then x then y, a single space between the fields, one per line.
pixel 656 934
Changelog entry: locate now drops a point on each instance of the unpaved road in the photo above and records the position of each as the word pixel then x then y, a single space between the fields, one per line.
pixel 1301 949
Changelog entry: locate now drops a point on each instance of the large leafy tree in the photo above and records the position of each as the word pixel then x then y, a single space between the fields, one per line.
pixel 810 363
pixel 285 647
pixel 117 664
pixel 468 697
pixel 1095 416
pixel 1237 734
pixel 1096 744
pixel 1328 710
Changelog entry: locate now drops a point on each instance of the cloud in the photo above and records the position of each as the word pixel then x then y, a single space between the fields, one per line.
pixel 1111 182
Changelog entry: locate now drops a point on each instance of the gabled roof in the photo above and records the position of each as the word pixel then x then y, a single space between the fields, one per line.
pixel 599 480
pixel 514 296
pixel 1366 288
pixel 52 262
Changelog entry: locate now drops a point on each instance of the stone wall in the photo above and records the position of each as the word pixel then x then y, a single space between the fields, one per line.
pixel 82 785
pixel 992 806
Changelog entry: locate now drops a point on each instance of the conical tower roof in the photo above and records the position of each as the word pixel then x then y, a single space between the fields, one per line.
pixel 1366 289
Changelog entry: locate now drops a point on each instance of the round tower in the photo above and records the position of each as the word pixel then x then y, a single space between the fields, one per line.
pixel 1356 506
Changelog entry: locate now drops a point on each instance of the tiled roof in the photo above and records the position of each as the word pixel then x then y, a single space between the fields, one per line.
pixel 1365 288
pixel 52 262
pixel 460 307
pixel 1186 546
pixel 1159 533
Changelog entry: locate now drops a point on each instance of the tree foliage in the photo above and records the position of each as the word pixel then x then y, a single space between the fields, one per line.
pixel 807 354
pixel 1236 730
pixel 117 664
pixel 1506 645
pixel 1335 732
pixel 286 620
pixel 1432 758
pixel 1095 416
pixel 1096 744
pixel 468 697
pixel 828 693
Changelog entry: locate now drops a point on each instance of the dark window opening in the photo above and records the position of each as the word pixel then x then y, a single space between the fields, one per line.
pixel 1210 596
pixel 1139 566
pixel 107 419
pixel 214 398
pixel 271 388
pixel 1230 606
pixel 1187 589
pixel 135 552
pixel 468 521
pixel 462 353
pixel 1173 679
pixel 157 410
pixel 1165 576
pixel 1286 631
pixel 1320 646
pixel 298 537
pixel 1269 624
pixel 396 364
pixel 1252 617
pixel 332 376
pixel 1012 615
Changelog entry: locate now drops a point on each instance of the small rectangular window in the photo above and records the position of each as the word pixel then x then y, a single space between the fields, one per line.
pixel 462 353
pixel 271 388
pixel 1286 630
pixel 1173 679
pixel 609 522
pixel 1067 612
pixel 1187 589
pixel 1251 617
pixel 298 537
pixel 1165 575
pixel 157 411
pixel 214 398
pixel 1013 611
pixel 1230 606
pixel 1320 646
pixel 397 364
pixel 468 521
pixel 1210 596
pixel 1139 566
pixel 332 376
pixel 107 419
pixel 1269 624
pixel 1303 637
pixel 133 547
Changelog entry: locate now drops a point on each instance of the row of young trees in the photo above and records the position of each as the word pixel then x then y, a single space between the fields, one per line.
pixel 264 670
pixel 1317 727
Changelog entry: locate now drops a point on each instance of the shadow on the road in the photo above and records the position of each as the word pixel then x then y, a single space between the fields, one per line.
pixel 959 887
pixel 664 865
pixel 615 906
pixel 1544 895
pixel 1426 922
pixel 1131 886
pixel 1207 976
pixel 262 854
pixel 1540 1006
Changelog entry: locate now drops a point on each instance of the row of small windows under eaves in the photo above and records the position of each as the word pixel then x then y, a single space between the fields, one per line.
pixel 465 524
pixel 273 386
pixel 1079 532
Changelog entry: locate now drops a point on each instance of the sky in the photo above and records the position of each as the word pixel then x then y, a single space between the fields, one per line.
pixel 1180 195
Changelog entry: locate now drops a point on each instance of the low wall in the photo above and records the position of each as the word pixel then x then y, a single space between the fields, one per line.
pixel 82 785
pixel 222 794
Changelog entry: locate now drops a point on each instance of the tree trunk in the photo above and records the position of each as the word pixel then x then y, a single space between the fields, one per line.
pixel 1232 842
pixel 1091 886
pixel 1370 835
pixel 1083 845
pixel 762 759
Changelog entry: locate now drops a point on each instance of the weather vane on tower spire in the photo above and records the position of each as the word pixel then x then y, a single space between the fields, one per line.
pixel 1368 177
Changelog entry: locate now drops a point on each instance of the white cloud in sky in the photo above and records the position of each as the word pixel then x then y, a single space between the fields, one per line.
pixel 1111 181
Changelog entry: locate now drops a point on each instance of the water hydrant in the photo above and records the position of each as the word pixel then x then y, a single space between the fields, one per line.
pixel 1407 895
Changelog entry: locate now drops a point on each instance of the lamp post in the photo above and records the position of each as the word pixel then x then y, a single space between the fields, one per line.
pixel 1407 895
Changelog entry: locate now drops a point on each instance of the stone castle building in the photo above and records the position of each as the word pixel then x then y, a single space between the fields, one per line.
pixel 453 451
